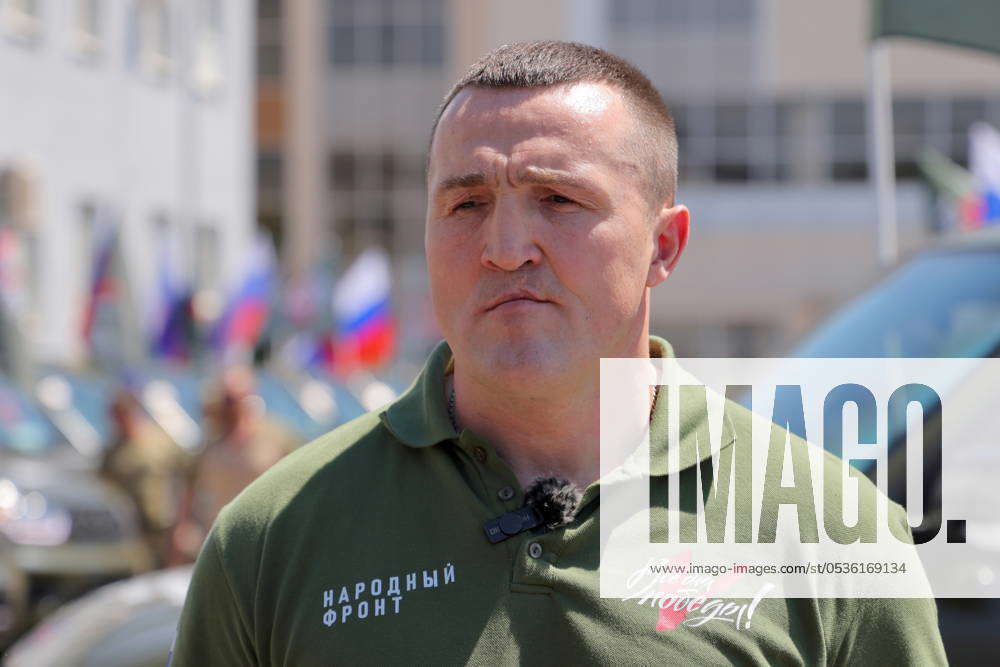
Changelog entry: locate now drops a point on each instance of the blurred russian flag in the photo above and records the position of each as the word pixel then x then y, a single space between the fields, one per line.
pixel 170 320
pixel 103 286
pixel 246 312
pixel 366 333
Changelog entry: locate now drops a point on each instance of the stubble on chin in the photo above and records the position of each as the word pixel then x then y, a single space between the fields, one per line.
pixel 523 357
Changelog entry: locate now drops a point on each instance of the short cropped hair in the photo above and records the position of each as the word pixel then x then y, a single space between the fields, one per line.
pixel 553 63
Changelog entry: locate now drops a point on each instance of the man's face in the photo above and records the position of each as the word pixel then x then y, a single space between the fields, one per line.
pixel 540 237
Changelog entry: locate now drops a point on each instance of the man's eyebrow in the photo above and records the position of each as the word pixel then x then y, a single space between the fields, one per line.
pixel 534 175
pixel 544 176
pixel 470 180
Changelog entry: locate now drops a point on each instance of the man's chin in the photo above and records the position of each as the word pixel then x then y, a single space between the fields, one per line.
pixel 525 357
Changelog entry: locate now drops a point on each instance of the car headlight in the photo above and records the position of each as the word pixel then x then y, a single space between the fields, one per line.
pixel 28 518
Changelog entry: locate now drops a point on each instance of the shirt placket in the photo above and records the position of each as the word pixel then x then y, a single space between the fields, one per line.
pixel 533 555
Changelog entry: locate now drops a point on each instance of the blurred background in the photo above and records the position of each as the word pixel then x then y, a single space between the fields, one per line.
pixel 211 240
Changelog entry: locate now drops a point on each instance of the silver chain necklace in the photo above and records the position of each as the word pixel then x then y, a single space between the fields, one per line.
pixel 451 409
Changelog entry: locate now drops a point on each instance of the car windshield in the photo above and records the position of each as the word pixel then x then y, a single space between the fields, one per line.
pixel 282 405
pixel 23 427
pixel 944 304
pixel 91 397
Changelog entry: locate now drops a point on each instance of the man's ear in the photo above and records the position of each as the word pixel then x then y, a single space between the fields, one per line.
pixel 671 234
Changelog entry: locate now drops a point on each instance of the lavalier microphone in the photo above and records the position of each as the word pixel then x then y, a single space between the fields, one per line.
pixel 549 502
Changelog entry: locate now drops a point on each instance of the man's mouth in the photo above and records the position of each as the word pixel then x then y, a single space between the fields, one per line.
pixel 520 296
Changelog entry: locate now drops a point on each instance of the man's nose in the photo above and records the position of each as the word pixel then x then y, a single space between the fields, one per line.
pixel 510 238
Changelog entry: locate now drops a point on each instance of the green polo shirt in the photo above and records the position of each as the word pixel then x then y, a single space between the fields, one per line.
pixel 366 546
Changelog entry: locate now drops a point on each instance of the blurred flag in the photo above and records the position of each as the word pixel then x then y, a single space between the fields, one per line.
pixel 102 283
pixel 246 312
pixel 967 200
pixel 361 307
pixel 969 23
pixel 984 161
pixel 309 350
pixel 306 308
pixel 171 329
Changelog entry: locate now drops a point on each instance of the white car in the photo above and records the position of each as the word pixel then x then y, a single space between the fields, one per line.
pixel 129 623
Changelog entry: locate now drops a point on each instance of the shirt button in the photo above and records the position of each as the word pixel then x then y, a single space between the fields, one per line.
pixel 480 454
pixel 535 550
pixel 506 493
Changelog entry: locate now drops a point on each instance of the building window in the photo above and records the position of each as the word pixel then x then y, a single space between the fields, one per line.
pixel 918 124
pixel 385 170
pixel 269 52
pixel 681 15
pixel 817 138
pixel 911 135
pixel 149 37
pixel 373 192
pixel 269 10
pixel 849 161
pixel 269 166
pixel 269 59
pixel 388 33
pixel 964 112
pixel 343 170
pixel 734 141
pixel 696 49
pixel 86 35
pixel 22 19
pixel 207 71
pixel 269 181
pixel 20 265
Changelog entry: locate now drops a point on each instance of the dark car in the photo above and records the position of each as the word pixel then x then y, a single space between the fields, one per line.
pixel 308 405
pixel 173 399
pixel 13 596
pixel 77 404
pixel 62 528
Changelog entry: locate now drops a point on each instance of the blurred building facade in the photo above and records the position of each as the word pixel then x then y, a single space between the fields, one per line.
pixel 769 97
pixel 133 115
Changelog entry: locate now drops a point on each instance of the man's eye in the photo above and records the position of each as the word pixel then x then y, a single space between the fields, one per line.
pixel 466 205
pixel 559 199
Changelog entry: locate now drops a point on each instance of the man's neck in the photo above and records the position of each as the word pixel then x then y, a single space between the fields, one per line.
pixel 556 433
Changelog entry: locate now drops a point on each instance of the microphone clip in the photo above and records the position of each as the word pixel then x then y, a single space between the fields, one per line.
pixel 550 502
pixel 512 523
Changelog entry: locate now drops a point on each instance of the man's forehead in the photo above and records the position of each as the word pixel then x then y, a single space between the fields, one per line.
pixel 579 102
pixel 555 126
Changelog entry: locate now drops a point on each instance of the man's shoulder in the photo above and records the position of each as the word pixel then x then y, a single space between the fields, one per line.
pixel 312 475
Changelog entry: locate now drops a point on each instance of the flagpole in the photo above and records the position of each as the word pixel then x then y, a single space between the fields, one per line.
pixel 881 158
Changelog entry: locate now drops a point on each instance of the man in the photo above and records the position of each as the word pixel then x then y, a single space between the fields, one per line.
pixel 241 443
pixel 147 465
pixel 551 214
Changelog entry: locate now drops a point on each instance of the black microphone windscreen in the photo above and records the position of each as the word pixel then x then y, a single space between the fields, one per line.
pixel 555 498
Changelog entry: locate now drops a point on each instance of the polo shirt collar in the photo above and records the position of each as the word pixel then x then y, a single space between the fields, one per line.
pixel 419 417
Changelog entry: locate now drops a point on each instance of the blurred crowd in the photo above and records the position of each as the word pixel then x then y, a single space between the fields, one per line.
pixel 177 493
pixel 107 477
